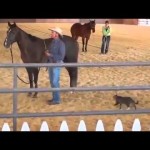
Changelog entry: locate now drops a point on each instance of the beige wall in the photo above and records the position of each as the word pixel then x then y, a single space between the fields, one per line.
pixel 39 20
pixel 103 20
pixel 114 21
pixel 130 21
pixel 57 20
pixel 119 21
pixel 17 20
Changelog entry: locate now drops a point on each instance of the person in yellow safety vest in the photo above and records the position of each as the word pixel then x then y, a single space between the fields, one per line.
pixel 105 38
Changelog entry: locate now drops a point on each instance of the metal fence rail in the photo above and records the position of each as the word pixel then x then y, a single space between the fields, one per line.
pixel 81 89
pixel 82 113
pixel 99 64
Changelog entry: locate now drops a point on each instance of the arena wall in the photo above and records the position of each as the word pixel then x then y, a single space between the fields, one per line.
pixel 112 21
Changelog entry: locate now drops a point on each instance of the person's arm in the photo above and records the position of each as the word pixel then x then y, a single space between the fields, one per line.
pixel 106 32
pixel 47 52
pixel 61 53
pixel 103 31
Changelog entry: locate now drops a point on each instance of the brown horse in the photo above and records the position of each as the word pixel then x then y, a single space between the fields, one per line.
pixel 84 31
pixel 32 50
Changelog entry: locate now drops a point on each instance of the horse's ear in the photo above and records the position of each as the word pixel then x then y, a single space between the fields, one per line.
pixel 15 24
pixel 9 24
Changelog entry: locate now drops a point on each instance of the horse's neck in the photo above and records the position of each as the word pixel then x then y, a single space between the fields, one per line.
pixel 22 41
pixel 86 26
pixel 21 47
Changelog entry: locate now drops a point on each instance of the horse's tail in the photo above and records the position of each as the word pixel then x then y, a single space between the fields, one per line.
pixel 46 68
pixel 73 31
pixel 39 69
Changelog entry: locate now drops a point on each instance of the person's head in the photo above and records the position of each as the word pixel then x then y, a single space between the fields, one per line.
pixel 56 33
pixel 106 23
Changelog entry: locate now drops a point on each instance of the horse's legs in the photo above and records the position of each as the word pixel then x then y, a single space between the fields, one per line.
pixel 73 73
pixel 86 44
pixel 35 74
pixel 29 71
pixel 76 38
pixel 83 44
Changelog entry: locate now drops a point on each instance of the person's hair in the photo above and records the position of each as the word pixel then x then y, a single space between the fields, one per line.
pixel 60 37
pixel 106 21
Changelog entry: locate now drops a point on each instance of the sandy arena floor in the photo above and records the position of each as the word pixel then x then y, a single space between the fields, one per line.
pixel 128 43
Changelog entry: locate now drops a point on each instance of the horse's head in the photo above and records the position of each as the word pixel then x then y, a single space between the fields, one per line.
pixel 92 25
pixel 11 36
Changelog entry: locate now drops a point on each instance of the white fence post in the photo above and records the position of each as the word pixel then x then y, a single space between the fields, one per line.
pixel 44 126
pixel 5 127
pixel 25 127
pixel 136 125
pixel 99 126
pixel 64 126
pixel 82 126
pixel 118 125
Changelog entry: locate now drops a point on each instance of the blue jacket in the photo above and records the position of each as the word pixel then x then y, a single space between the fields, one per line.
pixel 58 51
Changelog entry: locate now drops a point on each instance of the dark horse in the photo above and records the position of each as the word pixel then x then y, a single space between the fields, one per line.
pixel 83 31
pixel 33 51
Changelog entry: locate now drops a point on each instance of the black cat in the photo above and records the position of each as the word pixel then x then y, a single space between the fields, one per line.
pixel 128 101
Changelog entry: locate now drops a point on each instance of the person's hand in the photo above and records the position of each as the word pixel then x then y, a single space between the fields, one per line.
pixel 47 53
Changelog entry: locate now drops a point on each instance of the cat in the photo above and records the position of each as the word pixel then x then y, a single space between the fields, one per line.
pixel 128 101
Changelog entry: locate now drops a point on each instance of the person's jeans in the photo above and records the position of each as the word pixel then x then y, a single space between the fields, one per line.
pixel 54 76
pixel 105 44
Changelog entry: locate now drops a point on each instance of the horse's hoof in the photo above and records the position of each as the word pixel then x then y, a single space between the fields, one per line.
pixel 29 94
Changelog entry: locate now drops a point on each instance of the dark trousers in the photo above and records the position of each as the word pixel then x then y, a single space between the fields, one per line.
pixel 105 44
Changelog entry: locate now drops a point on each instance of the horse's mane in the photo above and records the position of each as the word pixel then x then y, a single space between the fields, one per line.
pixel 87 24
pixel 33 38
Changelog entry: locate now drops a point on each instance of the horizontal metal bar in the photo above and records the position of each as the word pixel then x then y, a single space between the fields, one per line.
pixel 98 64
pixel 83 113
pixel 79 89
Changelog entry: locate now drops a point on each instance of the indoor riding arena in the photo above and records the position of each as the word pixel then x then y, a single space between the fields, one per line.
pixel 129 43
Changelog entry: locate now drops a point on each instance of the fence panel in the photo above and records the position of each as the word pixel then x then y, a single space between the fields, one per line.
pixel 82 125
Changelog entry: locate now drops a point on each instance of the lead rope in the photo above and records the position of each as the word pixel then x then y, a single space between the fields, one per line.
pixel 45 45
pixel 13 62
pixel 45 50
